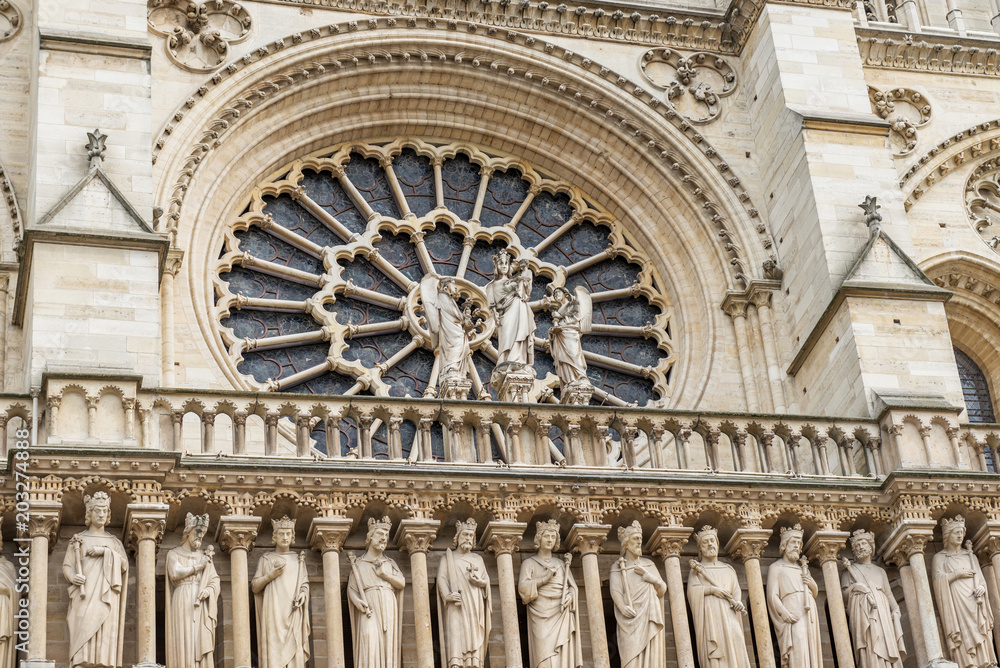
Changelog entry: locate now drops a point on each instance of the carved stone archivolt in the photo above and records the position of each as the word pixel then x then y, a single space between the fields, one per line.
pixel 905 110
pixel 694 84
pixel 10 20
pixel 322 280
pixel 198 35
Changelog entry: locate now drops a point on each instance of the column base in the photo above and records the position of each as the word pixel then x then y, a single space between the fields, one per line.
pixel 37 663
pixel 147 665
pixel 942 663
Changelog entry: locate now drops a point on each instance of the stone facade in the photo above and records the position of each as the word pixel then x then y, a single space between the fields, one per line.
pixel 217 219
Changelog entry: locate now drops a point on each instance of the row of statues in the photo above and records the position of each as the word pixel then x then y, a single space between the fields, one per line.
pixel 96 568
pixel 508 298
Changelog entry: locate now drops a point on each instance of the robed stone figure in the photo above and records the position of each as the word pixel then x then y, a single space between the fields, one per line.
pixel 464 602
pixel 375 596
pixel 571 318
pixel 447 324
pixel 791 600
pixel 281 594
pixel 192 596
pixel 549 591
pixel 637 591
pixel 963 606
pixel 8 605
pixel 508 294
pixel 716 603
pixel 96 567
pixel 872 613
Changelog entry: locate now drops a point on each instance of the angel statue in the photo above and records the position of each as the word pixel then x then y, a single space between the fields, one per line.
pixel 571 317
pixel 449 326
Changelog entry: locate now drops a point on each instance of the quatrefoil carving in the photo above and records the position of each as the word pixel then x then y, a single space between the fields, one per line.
pixel 905 110
pixel 198 35
pixel 694 84
pixel 10 20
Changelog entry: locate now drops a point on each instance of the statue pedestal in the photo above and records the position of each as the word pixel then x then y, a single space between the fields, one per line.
pixel 513 383
pixel 455 387
pixel 577 393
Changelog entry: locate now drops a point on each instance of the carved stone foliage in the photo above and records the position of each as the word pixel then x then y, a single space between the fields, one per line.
pixel 904 52
pixel 982 202
pixel 694 84
pixel 319 282
pixel 905 110
pixel 198 35
pixel 10 20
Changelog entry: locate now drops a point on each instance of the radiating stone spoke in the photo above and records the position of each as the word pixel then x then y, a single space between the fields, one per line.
pixel 622 293
pixel 269 225
pixel 280 305
pixel 617 365
pixel 376 328
pixel 573 221
pixel 399 356
pixel 372 297
pixel 248 261
pixel 300 377
pixel 623 330
pixel 577 267
pixel 272 342
pixel 327 218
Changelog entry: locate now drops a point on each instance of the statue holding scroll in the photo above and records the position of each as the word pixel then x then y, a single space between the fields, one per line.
pixel 963 605
pixel 96 567
pixel 637 591
pixel 464 602
pixel 192 595
pixel 717 608
pixel 375 598
pixel 281 593
pixel 549 591
pixel 872 613
pixel 791 600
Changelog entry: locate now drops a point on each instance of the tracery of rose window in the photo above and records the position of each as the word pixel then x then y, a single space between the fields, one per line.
pixel 318 282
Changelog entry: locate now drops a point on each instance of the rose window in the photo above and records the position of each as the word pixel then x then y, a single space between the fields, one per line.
pixel 319 280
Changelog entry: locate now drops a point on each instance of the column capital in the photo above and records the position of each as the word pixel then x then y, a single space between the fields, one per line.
pixel 986 542
pixel 669 541
pixel 748 543
pixel 824 546
pixel 416 535
pixel 327 534
pixel 237 532
pixel 144 521
pixel 44 524
pixel 735 305
pixel 502 537
pixel 587 538
pixel 907 539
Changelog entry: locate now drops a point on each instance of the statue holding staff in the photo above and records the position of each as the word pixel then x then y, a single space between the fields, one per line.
pixel 281 594
pixel 464 602
pixel 192 595
pixel 375 600
pixel 872 613
pixel 637 591
pixel 716 606
pixel 791 600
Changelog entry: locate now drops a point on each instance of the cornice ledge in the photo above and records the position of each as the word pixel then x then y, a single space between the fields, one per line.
pixel 54 39
pixel 847 5
pixel 863 124
pixel 902 50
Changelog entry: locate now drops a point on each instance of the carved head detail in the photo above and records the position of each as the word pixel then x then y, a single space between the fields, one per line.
pixel 630 537
pixel 708 541
pixel 791 541
pixel 378 532
pixel 98 509
pixel 547 530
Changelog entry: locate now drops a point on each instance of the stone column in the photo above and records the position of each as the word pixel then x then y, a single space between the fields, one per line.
pixel 43 527
pixel 586 539
pixel 986 543
pixel 905 547
pixel 667 542
pixel 236 535
pixel 144 526
pixel 167 350
pixel 415 536
pixel 824 546
pixel 502 539
pixel 327 536
pixel 747 544
pixel 761 299
pixel 736 308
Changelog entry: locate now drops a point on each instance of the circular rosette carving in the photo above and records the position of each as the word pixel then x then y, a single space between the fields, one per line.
pixel 694 84
pixel 982 202
pixel 905 110
pixel 10 20
pixel 198 35
pixel 318 285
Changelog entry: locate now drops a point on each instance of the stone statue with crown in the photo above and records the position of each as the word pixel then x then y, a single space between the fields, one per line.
pixel 192 596
pixel 464 602
pixel 963 603
pixel 791 601
pixel 548 589
pixel 637 591
pixel 717 608
pixel 375 598
pixel 872 613
pixel 96 567
pixel 281 593
pixel 508 295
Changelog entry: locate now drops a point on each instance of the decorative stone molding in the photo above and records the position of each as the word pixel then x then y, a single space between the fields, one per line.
pixel 328 534
pixel 824 546
pixel 10 20
pixel 416 535
pixel 587 538
pixel 694 84
pixel 198 35
pixel 510 64
pixel 903 51
pixel 747 543
pixel 905 110
pixel 503 537
pixel 10 198
pixel 982 202
pixel 144 522
pixel 668 541
pixel 237 532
